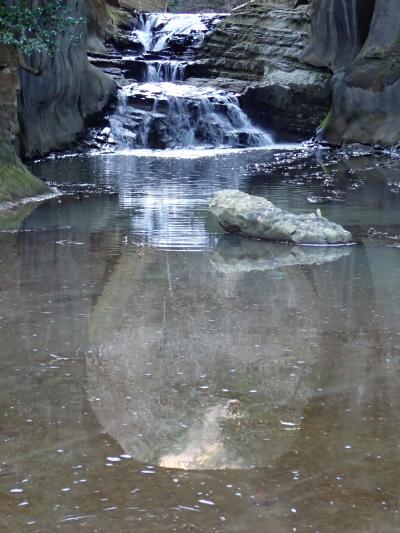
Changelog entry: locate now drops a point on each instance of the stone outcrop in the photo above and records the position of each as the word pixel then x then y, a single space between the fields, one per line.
pixel 360 42
pixel 55 107
pixel 286 52
pixel 256 217
pixel 15 180
pixel 99 25
pixel 142 5
pixel 262 44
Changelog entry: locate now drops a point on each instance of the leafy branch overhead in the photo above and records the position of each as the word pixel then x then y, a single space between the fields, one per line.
pixel 35 29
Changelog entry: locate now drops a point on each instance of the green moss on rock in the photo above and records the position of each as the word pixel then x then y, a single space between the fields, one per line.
pixel 16 182
pixel 327 120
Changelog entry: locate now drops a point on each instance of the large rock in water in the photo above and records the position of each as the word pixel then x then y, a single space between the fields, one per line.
pixel 257 217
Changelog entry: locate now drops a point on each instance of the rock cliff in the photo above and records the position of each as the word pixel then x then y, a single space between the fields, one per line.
pixel 262 44
pixel 54 107
pixel 299 58
pixel 15 181
pixel 359 40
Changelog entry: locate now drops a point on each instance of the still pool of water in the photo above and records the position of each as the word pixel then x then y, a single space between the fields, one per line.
pixel 157 375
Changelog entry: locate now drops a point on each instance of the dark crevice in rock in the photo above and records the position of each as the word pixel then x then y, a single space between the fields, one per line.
pixel 365 13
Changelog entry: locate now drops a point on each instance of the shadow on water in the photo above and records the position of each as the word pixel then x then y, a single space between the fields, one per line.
pixel 204 383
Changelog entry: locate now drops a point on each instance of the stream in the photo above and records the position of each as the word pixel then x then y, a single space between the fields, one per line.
pixel 159 375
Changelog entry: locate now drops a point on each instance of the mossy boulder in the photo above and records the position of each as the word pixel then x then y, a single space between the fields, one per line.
pixel 16 182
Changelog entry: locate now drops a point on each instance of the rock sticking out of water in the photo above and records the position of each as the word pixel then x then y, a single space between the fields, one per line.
pixel 256 217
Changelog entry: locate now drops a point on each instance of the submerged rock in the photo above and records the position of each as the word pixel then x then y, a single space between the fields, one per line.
pixel 257 217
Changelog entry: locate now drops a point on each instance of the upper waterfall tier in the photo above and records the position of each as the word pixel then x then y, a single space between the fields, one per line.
pixel 158 31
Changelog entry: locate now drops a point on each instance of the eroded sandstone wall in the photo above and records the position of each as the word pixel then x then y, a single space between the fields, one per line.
pixel 15 181
pixel 262 44
pixel 359 40
pixel 9 86
pixel 54 107
pixel 300 58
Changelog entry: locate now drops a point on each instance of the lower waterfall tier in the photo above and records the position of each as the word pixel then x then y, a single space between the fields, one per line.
pixel 167 115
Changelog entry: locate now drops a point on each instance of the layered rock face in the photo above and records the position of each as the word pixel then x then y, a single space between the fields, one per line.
pixel 360 41
pixel 286 52
pixel 142 5
pixel 55 106
pixel 262 44
pixel 15 181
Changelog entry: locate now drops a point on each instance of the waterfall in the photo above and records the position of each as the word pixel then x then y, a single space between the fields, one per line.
pixel 164 111
pixel 144 31
pixel 156 30
pixel 167 115
pixel 165 70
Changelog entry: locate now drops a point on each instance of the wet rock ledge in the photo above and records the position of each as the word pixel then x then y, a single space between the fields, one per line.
pixel 257 217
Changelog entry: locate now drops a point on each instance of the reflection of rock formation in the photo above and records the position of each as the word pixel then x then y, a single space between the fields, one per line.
pixel 204 447
pixel 175 344
pixel 346 457
pixel 239 255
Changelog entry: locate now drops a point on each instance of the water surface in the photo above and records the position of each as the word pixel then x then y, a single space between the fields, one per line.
pixel 157 375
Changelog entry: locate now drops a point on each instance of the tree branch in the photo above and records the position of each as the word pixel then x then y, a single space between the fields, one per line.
pixel 36 71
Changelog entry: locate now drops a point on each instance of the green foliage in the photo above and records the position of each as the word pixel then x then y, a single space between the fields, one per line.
pixel 35 29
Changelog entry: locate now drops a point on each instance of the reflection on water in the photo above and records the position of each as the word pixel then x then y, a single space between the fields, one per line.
pixel 235 255
pixel 204 383
pixel 197 341
pixel 204 449
pixel 162 201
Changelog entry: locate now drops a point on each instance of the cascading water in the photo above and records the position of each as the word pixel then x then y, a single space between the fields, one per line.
pixel 156 30
pixel 163 112
pixel 167 115
pixel 165 70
